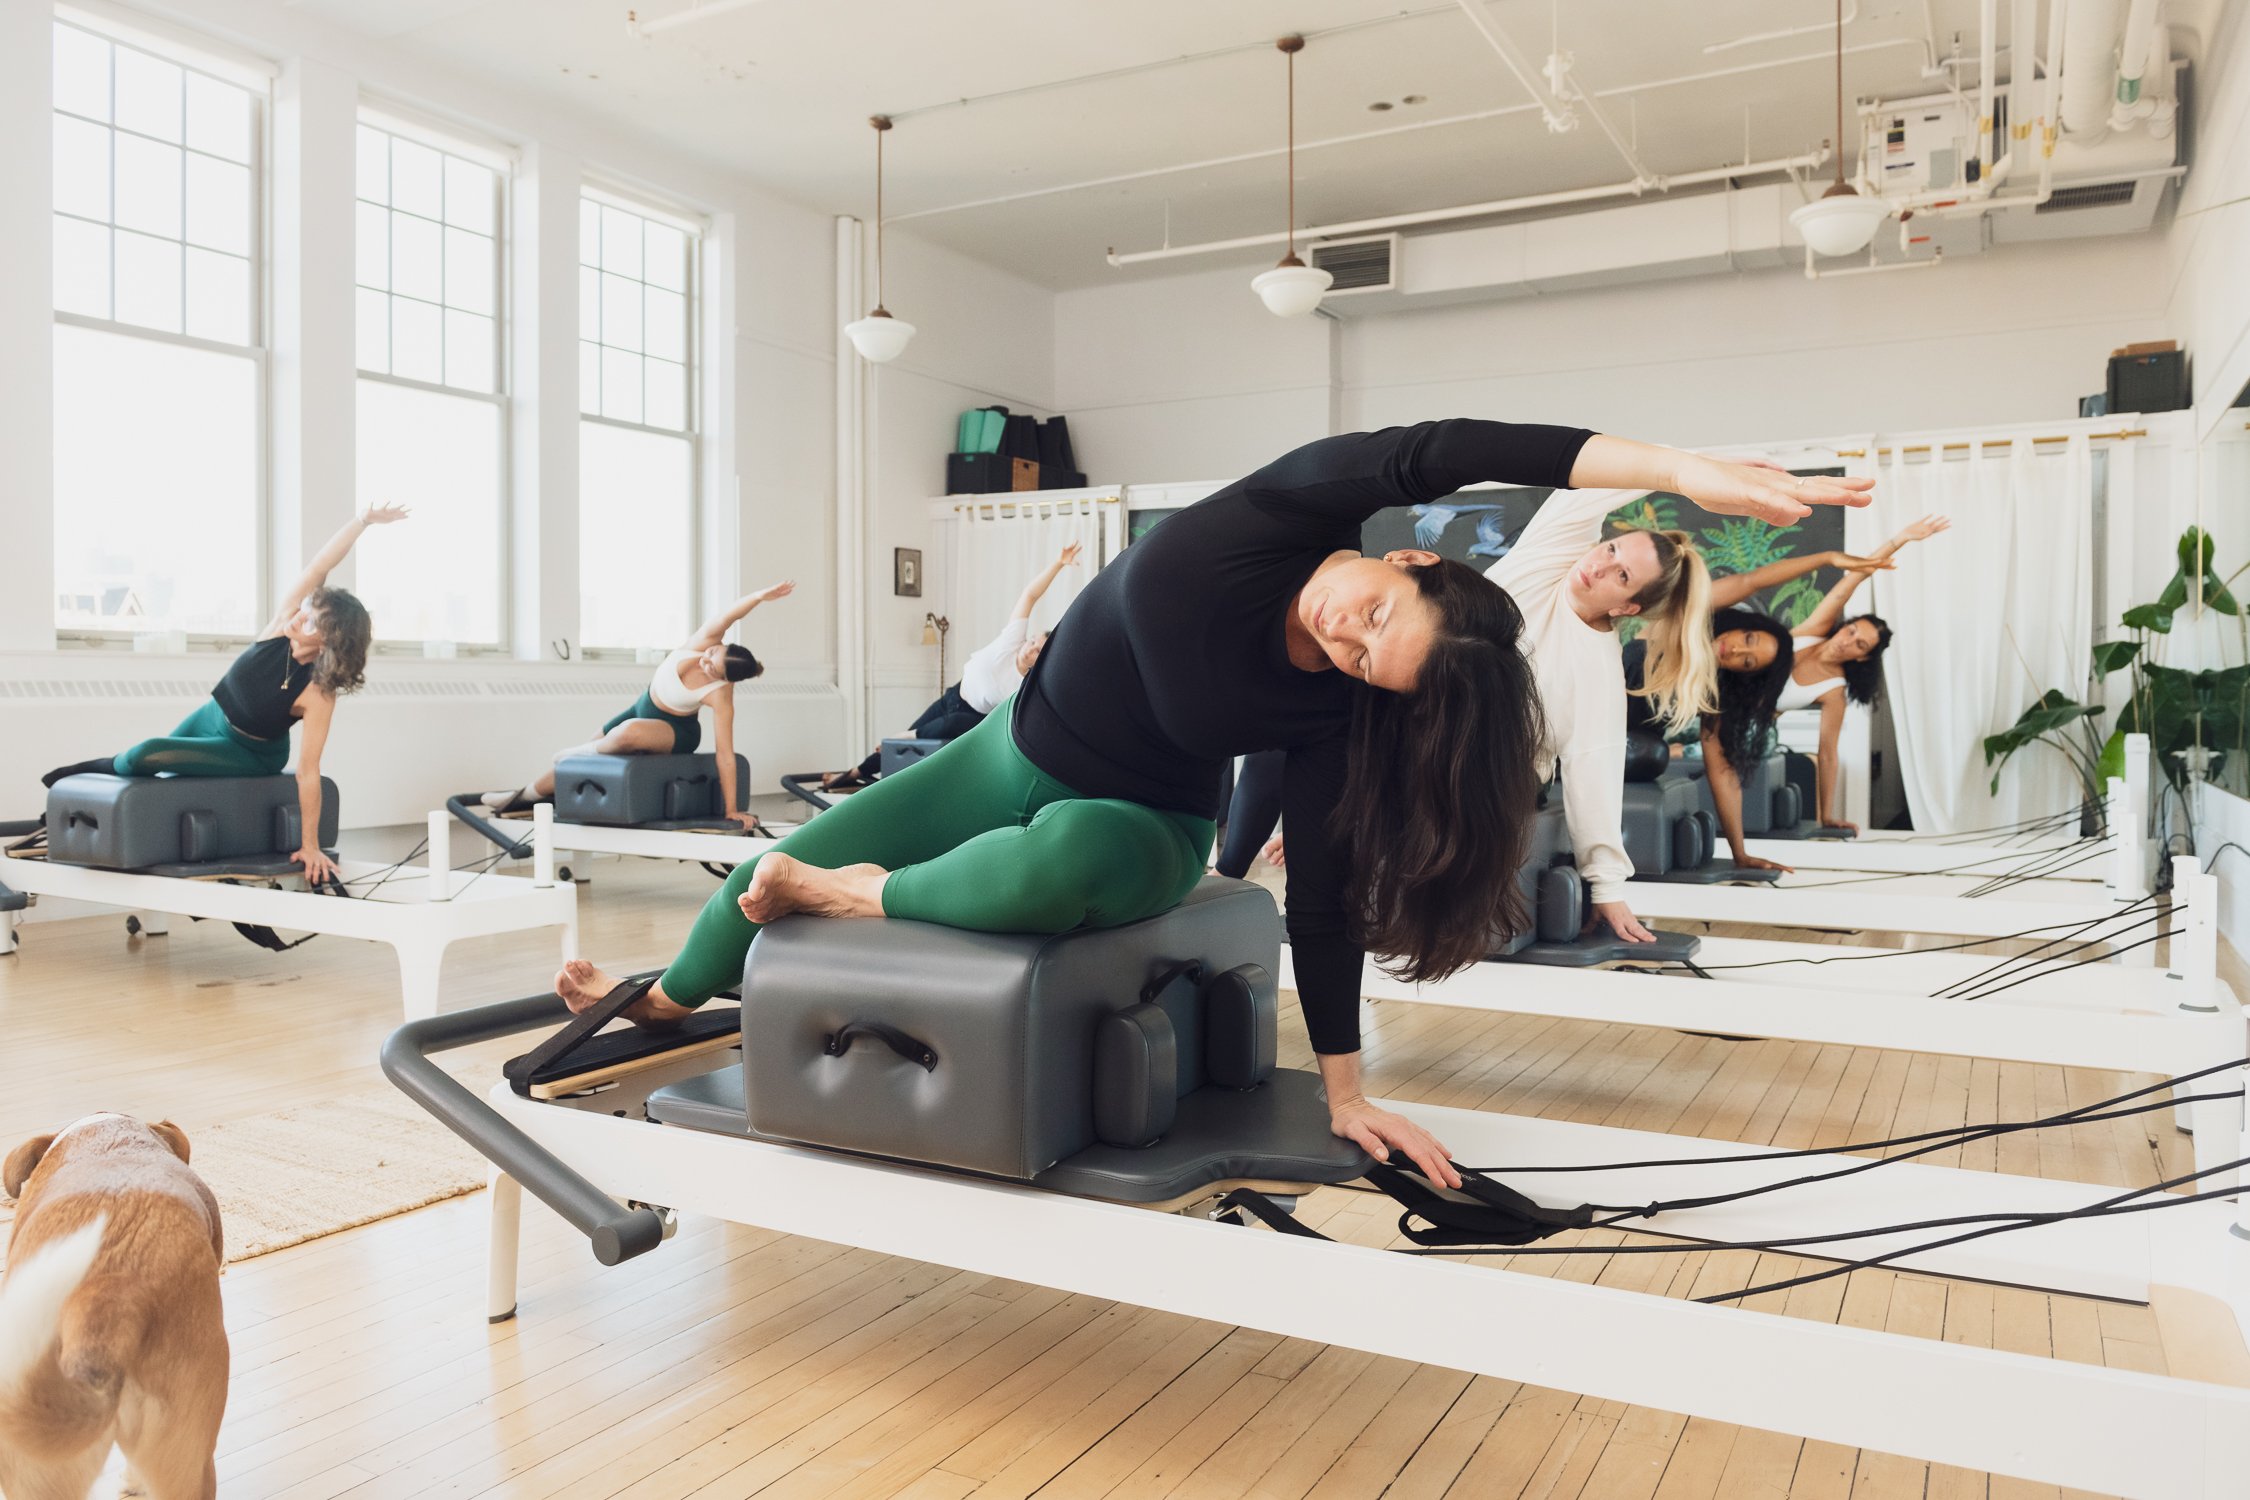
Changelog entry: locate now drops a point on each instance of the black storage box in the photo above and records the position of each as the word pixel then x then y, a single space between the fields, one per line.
pixel 624 791
pixel 988 474
pixel 136 822
pixel 2148 382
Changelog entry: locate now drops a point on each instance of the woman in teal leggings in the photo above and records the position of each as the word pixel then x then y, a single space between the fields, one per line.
pixel 1246 622
pixel 313 650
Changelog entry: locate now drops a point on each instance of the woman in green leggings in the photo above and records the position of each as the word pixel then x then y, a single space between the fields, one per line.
pixel 313 650
pixel 1246 622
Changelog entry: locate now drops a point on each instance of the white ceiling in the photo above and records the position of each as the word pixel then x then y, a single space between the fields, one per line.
pixel 1008 97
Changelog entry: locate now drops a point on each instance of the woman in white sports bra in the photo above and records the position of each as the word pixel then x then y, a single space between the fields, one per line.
pixel 1835 662
pixel 667 717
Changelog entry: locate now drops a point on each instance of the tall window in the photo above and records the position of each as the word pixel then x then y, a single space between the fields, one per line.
pixel 637 459
pixel 159 356
pixel 431 405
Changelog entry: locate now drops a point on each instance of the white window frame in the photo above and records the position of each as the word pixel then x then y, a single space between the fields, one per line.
pixel 698 231
pixel 391 120
pixel 254 79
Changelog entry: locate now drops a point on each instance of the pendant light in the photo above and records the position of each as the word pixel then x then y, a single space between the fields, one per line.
pixel 1292 289
pixel 879 337
pixel 1842 220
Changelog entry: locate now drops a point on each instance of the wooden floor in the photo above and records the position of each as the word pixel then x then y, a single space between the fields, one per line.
pixel 737 1362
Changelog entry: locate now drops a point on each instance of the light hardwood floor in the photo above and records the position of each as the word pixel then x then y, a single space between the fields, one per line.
pixel 737 1362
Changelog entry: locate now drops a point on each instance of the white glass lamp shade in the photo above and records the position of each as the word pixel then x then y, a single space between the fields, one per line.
pixel 1841 224
pixel 879 337
pixel 1291 291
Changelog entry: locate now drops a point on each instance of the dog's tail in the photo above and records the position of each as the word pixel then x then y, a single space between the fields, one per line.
pixel 32 1298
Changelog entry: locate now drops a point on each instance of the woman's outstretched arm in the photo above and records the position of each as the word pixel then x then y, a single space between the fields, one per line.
pixel 324 561
pixel 714 630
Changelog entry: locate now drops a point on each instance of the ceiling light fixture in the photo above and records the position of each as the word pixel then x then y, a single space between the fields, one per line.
pixel 1292 288
pixel 1842 220
pixel 879 337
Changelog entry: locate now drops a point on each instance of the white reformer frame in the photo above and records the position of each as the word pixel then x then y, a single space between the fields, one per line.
pixel 2177 1020
pixel 419 910
pixel 2118 1431
pixel 687 844
pixel 2112 859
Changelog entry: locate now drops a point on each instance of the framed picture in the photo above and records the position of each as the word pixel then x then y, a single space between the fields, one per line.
pixel 906 572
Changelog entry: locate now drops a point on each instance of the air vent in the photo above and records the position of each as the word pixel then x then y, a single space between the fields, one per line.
pixel 1365 265
pixel 2091 195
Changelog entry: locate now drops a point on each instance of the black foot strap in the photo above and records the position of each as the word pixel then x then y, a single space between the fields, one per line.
pixel 539 1065
pixel 1480 1214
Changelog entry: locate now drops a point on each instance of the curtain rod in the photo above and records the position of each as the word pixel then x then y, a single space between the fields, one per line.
pixel 1077 500
pixel 2092 437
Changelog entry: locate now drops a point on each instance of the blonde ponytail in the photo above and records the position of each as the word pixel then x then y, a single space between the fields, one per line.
pixel 1681 677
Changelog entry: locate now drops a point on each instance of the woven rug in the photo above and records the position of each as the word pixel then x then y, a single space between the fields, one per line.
pixel 314 1169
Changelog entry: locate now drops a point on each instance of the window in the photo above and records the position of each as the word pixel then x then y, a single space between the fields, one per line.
pixel 159 360
pixel 637 458
pixel 431 408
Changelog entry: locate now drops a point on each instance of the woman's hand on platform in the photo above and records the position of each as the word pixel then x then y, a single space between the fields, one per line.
pixel 319 868
pixel 1619 918
pixel 1752 862
pixel 748 820
pixel 1382 1134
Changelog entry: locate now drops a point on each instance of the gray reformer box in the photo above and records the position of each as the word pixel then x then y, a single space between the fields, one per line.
pixel 136 822
pixel 629 790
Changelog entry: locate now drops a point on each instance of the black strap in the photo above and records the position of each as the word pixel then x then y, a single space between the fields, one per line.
pixel 265 937
pixel 920 1053
pixel 519 1070
pixel 1268 1213
pixel 1480 1212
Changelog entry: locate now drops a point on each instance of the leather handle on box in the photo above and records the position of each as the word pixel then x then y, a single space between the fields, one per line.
pixel 920 1053
pixel 580 789
pixel 1191 967
pixel 85 819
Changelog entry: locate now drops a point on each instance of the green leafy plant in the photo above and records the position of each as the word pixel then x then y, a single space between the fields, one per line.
pixel 1793 603
pixel 2182 711
pixel 1654 512
pixel 1744 545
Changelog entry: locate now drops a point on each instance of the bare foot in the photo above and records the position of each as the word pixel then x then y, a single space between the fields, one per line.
pixel 783 885
pixel 581 984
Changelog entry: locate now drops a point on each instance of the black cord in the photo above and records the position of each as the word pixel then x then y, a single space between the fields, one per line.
pixel 2067 1117
pixel 383 876
pixel 2033 957
pixel 2069 931
pixel 2099 958
pixel 1971 868
pixel 2109 1207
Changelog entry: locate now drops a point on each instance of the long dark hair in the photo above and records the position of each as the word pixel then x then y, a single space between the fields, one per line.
pixel 1863 679
pixel 345 632
pixel 1748 701
pixel 1443 787
pixel 741 665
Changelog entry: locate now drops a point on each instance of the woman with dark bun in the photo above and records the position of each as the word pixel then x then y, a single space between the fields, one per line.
pixel 1395 686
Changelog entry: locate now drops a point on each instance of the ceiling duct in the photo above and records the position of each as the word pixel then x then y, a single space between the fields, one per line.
pixel 1360 265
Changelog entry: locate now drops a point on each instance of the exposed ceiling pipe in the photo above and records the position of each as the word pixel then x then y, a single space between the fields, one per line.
pixel 1557 108
pixel 1821 28
pixel 1803 163
pixel 641 30
pixel 2089 48
pixel 2130 106
pixel 2023 39
pixel 1264 152
pixel 1988 66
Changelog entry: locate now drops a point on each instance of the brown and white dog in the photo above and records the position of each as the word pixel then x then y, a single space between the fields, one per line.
pixel 111 1330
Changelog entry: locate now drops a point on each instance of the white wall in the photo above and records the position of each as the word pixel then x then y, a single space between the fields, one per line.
pixel 982 338
pixel 768 501
pixel 1188 377
pixel 2209 242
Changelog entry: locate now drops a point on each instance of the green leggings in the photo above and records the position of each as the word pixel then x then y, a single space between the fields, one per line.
pixel 205 744
pixel 974 837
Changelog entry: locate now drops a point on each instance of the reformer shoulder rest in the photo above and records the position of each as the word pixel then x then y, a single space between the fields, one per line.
pixel 632 791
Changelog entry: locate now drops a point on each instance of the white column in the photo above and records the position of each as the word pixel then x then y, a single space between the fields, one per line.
pixel 725 571
pixel 315 165
pixel 543 405
pixel 852 449
pixel 27 360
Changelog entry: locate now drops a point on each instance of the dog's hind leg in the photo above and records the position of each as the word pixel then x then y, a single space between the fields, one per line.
pixel 168 1443
pixel 51 1476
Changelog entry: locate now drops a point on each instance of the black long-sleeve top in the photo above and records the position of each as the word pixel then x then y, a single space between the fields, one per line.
pixel 1175 659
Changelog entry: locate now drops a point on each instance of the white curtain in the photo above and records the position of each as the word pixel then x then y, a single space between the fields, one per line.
pixel 1987 617
pixel 999 548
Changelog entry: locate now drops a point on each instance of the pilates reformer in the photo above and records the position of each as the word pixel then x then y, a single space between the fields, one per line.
pixel 925 1092
pixel 216 848
pixel 897 753
pixel 633 806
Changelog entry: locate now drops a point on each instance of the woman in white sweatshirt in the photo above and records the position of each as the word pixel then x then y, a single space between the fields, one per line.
pixel 1573 586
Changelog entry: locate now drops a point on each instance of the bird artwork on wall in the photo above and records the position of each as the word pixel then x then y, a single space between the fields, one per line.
pixel 1431 521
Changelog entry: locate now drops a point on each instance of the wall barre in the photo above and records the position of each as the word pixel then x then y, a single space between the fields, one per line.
pixel 2093 437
